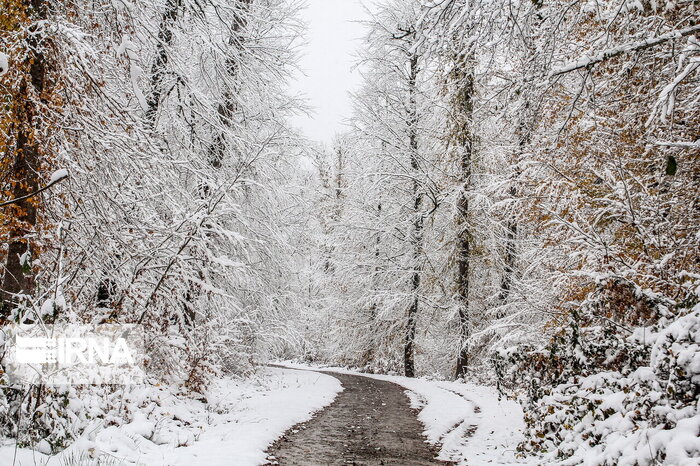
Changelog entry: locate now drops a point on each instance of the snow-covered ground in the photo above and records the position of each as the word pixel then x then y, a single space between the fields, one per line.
pixel 469 422
pixel 241 419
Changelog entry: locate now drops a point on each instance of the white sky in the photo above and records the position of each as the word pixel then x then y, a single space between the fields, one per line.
pixel 332 39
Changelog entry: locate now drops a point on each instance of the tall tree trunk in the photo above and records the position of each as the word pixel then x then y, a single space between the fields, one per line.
pixel 337 210
pixel 462 77
pixel 18 277
pixel 165 39
pixel 158 72
pixel 217 149
pixel 417 237
pixel 339 171
pixel 509 259
pixel 107 287
pixel 227 107
pixel 374 341
pixel 526 119
pixel 509 265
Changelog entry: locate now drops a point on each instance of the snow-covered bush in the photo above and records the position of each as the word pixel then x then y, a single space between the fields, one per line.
pixel 48 419
pixel 609 394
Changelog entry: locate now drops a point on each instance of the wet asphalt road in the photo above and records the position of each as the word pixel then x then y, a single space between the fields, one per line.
pixel 369 423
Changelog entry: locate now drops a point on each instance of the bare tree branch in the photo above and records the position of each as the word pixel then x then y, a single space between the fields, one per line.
pixel 38 191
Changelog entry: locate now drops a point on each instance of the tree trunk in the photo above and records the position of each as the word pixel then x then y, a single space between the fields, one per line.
pixel 417 237
pixel 463 78
pixel 227 107
pixel 509 268
pixel 18 277
pixel 339 188
pixel 225 112
pixel 509 259
pixel 373 307
pixel 165 39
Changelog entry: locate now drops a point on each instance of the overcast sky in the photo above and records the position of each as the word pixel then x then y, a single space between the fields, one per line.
pixel 332 39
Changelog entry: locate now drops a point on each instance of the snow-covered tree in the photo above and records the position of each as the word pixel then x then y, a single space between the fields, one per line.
pixel 171 119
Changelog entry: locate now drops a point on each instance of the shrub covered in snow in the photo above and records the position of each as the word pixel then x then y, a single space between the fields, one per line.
pixel 48 419
pixel 612 394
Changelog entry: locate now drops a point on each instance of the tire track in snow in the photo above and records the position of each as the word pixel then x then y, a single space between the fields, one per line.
pixel 457 438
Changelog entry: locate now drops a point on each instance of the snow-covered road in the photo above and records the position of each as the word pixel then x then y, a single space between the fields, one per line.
pixel 465 423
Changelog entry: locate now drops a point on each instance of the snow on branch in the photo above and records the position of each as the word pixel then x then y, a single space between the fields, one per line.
pixel 667 99
pixel 627 48
pixel 57 177
pixel 4 63
pixel 684 145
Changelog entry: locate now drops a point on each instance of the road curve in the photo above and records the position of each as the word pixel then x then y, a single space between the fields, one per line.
pixel 369 423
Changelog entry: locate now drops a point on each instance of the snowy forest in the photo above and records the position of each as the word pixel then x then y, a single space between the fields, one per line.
pixel 512 213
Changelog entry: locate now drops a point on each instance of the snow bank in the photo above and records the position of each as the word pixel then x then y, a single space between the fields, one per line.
pixel 237 424
pixel 469 422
